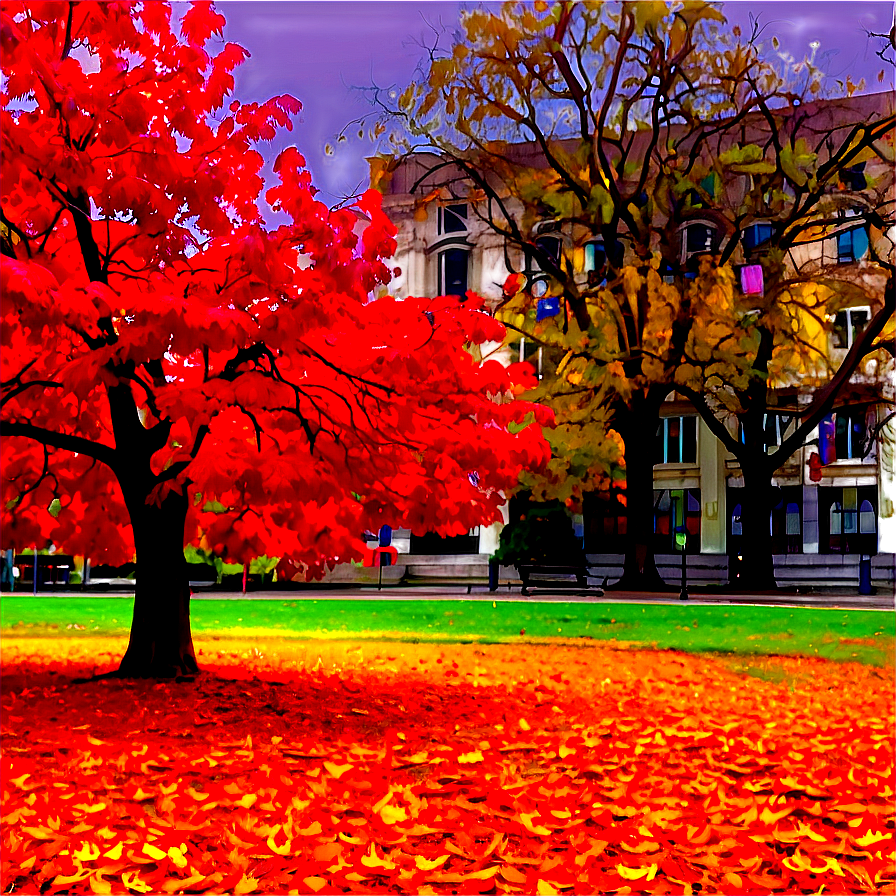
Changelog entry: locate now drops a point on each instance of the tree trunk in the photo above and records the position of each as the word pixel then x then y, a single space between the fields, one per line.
pixel 637 425
pixel 161 645
pixel 756 567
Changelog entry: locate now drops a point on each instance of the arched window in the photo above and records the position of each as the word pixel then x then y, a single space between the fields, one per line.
pixel 836 518
pixel 867 518
pixel 454 264
pixel 737 527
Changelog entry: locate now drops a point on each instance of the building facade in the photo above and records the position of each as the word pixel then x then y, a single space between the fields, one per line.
pixel 834 496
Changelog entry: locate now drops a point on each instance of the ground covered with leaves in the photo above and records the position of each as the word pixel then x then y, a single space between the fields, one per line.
pixel 393 767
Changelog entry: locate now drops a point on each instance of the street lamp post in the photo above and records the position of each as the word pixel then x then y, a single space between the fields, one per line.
pixel 681 541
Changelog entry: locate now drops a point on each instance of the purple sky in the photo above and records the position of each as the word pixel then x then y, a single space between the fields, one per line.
pixel 319 51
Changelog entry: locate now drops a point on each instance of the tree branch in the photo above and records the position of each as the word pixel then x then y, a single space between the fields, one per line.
pixel 76 444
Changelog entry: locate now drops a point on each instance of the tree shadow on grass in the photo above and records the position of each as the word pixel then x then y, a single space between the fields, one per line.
pixel 214 709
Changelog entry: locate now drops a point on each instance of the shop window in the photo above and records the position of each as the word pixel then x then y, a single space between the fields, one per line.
pixel 453 272
pixel 672 509
pixel 848 326
pixel 453 218
pixel 676 441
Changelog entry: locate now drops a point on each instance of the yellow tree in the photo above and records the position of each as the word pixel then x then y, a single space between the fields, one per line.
pixel 588 137
pixel 822 188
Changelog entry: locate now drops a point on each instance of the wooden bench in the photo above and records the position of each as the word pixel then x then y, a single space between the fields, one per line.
pixel 556 578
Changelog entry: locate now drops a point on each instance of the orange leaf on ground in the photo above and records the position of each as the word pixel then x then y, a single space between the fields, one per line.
pixel 641 771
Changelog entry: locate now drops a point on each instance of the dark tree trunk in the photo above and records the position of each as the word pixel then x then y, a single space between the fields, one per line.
pixel 161 645
pixel 756 567
pixel 637 425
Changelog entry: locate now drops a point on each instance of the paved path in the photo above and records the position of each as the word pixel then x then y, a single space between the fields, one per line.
pixel 833 599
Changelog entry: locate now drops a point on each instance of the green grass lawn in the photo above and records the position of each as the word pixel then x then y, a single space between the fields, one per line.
pixel 863 635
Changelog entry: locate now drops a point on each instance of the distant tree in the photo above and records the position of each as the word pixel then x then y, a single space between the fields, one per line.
pixel 593 136
pixel 172 368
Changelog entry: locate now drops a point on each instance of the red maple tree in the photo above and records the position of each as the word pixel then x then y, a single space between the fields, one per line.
pixel 173 368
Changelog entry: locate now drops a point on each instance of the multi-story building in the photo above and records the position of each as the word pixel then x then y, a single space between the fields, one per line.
pixel 827 514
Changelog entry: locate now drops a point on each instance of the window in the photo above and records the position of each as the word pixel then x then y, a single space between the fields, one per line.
pixel 853 178
pixel 849 434
pixel 673 508
pixel 737 527
pixel 453 270
pixel 774 427
pixel 596 260
pixel 667 271
pixel 785 521
pixel 848 519
pixel 606 523
pixel 792 519
pixel 453 218
pixel 848 325
pixel 595 256
pixel 852 245
pixel 698 239
pixel 708 185
pixel 549 245
pixel 676 441
pixel 867 519
pixel 844 435
pixel 755 235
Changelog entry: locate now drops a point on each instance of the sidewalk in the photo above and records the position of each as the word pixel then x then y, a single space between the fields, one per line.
pixel 785 599
pixel 814 597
